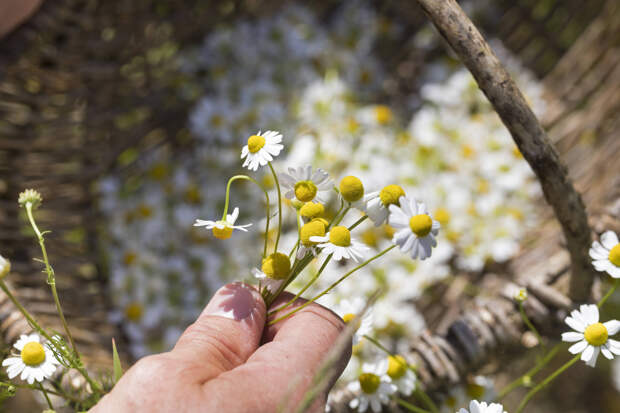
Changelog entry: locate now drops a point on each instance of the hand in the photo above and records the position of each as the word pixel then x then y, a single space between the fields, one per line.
pixel 230 361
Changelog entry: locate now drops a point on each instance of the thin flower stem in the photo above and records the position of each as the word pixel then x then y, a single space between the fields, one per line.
pixel 359 221
pixel 47 398
pixel 227 200
pixel 51 278
pixel 275 177
pixel 609 293
pixel 337 221
pixel 331 287
pixel 33 387
pixel 303 290
pixel 44 333
pixel 410 406
pixel 290 254
pixel 378 344
pixel 528 323
pixel 545 382
pixel 530 373
pixel 336 216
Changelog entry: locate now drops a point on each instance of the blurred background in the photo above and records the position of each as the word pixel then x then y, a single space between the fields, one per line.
pixel 129 117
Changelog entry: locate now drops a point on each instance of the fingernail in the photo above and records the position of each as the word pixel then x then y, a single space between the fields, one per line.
pixel 235 301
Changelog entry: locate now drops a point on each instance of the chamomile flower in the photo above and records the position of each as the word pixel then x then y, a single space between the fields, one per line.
pixel 338 241
pixel 274 271
pixel 314 228
pixel 482 407
pixel 400 374
pixel 378 202
pixel 304 185
pixel 350 312
pixel 415 228
pixel 35 361
pixel 351 190
pixel 372 388
pixel 592 337
pixel 223 229
pixel 606 254
pixel 261 149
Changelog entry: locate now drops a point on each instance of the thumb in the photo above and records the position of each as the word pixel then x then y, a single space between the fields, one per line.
pixel 226 333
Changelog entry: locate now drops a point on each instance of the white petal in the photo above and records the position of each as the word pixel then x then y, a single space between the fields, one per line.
pixel 572 336
pixel 609 239
pixel 612 326
pixel 578 348
pixel 575 324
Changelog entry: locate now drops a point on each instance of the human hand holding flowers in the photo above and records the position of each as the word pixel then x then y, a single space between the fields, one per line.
pixel 230 360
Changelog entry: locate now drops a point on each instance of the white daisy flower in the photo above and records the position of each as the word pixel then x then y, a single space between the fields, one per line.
pixel 372 388
pixel 350 310
pixel 223 229
pixel 35 361
pixel 397 369
pixel 415 228
pixel 274 271
pixel 592 337
pixel 378 202
pixel 261 149
pixel 338 241
pixel 314 228
pixel 482 407
pixel 305 186
pixel 606 254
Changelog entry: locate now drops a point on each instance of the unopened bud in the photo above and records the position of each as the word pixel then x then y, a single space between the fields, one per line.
pixel 30 196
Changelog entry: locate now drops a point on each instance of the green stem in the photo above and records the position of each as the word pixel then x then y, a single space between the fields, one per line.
pixel 275 177
pixel 303 290
pixel 337 221
pixel 609 293
pixel 227 200
pixel 426 398
pixel 530 373
pixel 545 382
pixel 331 287
pixel 410 406
pixel 336 216
pixel 39 329
pixel 47 398
pixel 378 344
pixel 528 323
pixel 359 221
pixel 51 279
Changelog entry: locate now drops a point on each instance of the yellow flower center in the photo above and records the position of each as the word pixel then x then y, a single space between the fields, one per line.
pixel 383 114
pixel 129 258
pixel 133 312
pixel 311 229
pixel 467 151
pixel 222 233
pixel 596 334
pixel 276 266
pixel 311 210
pixel 421 224
pixel 391 194
pixel 322 221
pixel 397 366
pixel 442 215
pixel 255 143
pixel 351 188
pixel 340 236
pixel 370 238
pixel 614 255
pixel 305 191
pixel 369 382
pixel 33 354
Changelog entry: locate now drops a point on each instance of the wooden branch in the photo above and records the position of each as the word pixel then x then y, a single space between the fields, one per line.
pixel 527 132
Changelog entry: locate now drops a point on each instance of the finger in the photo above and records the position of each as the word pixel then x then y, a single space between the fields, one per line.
pixel 226 333
pixel 283 369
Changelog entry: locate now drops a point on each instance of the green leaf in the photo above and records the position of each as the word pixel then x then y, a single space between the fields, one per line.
pixel 118 369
